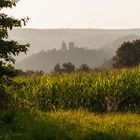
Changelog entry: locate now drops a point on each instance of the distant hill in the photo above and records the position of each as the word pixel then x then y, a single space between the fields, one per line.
pixel 45 39
pixel 46 60
pixel 100 45
pixel 113 46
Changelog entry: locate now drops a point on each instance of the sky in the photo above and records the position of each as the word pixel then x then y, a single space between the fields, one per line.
pixel 103 14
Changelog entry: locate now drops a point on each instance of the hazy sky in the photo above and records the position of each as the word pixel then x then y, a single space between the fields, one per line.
pixel 79 13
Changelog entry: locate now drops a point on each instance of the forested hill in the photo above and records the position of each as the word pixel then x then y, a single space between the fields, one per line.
pixel 69 52
pixel 47 60
pixel 45 39
pixel 97 45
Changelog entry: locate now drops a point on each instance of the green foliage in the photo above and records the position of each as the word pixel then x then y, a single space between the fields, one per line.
pixel 8 50
pixel 57 68
pixel 83 68
pixel 7 117
pixel 11 48
pixel 70 125
pixel 29 73
pixel 7 70
pixel 68 67
pixel 38 101
pixel 106 91
pixel 128 55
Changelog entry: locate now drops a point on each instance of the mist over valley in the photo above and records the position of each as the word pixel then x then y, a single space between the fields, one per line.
pixel 91 46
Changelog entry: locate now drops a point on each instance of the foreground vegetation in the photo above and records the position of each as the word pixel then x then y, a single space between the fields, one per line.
pixel 30 108
pixel 93 105
pixel 107 91
pixel 66 125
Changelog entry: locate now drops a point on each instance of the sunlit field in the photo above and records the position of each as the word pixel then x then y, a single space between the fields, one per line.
pixel 79 106
pixel 66 125
pixel 106 91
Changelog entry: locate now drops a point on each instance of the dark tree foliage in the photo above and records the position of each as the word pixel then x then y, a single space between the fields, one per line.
pixel 68 67
pixel 57 68
pixel 128 55
pixel 9 48
pixel 83 68
pixel 7 70
pixel 29 73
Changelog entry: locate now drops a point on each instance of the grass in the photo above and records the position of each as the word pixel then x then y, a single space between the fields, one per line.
pixel 69 125
pixel 62 107
pixel 106 91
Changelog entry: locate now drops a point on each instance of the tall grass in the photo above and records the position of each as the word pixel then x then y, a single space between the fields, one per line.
pixel 107 91
pixel 53 106
pixel 70 125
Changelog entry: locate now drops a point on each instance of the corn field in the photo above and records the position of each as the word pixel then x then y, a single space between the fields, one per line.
pixel 106 91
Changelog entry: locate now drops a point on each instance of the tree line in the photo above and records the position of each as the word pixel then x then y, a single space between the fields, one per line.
pixel 69 67
pixel 66 68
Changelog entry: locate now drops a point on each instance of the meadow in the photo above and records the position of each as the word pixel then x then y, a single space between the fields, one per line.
pixel 68 125
pixel 97 105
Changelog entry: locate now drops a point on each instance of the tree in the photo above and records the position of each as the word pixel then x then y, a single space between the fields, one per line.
pixel 68 67
pixel 29 73
pixel 9 48
pixel 83 68
pixel 128 55
pixel 57 68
